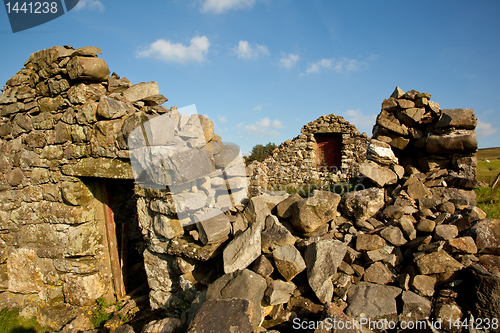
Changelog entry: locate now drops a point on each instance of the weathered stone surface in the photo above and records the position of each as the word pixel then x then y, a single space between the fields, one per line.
pixel 288 261
pixel 393 235
pixel 243 249
pixel 110 108
pixel 416 189
pixel 457 118
pixel 391 123
pixel 279 292
pixel 311 213
pixel 381 153
pixel 423 285
pixel 373 301
pixel 99 168
pixel 363 204
pixel 165 325
pixel 215 229
pixel 23 271
pixel 275 235
pixel 437 262
pixel 167 227
pixel 366 242
pixel 245 284
pixel 141 90
pixel 285 208
pixel 379 175
pixel 445 232
pixel 83 290
pixel 459 141
pixel 263 266
pixel 448 312
pixel 223 315
pixel 322 260
pixel 415 307
pixel 94 69
pixel 83 240
pixel 155 100
pixel 378 273
pixel 461 245
pixel 480 290
pixel 487 236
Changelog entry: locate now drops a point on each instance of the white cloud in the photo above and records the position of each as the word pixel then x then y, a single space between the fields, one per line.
pixel 342 65
pixel 176 52
pixel 246 51
pixel 222 119
pixel 90 4
pixel 258 108
pixel 222 6
pixel 485 129
pixel 264 128
pixel 289 61
pixel 363 122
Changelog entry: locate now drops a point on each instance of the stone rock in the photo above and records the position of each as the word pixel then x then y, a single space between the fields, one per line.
pixel 214 229
pixel 141 91
pixel 226 156
pixel 167 227
pixel 366 242
pixel 405 223
pixel 480 291
pixel 88 68
pixel 110 108
pixel 415 307
pixel 374 301
pixel 77 265
pixel 416 189
pixel 259 207
pixel 411 115
pixel 224 315
pixel 243 249
pixel 393 235
pixel 448 312
pixel 445 232
pixel 82 290
pixel 43 121
pixel 15 177
pixel 437 262
pixel 288 261
pixel 379 175
pixel 275 235
pixel 311 213
pixel 285 208
pixel 279 292
pixel 334 314
pixel 245 284
pixel 263 266
pixel 461 245
pixel 83 240
pixel 23 271
pixel 99 168
pixel 165 325
pixel 457 118
pixel 398 93
pixel 405 103
pixel 426 225
pixel 388 121
pixel 322 260
pixel 378 273
pixel 487 236
pixel 459 142
pixel 381 153
pixel 155 100
pixel 423 285
pixel 363 204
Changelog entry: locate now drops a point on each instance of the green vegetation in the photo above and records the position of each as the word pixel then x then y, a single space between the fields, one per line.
pixel 488 164
pixel 11 322
pixel 488 199
pixel 101 316
pixel 260 152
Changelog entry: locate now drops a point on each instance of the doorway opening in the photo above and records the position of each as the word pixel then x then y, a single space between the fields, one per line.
pixel 329 151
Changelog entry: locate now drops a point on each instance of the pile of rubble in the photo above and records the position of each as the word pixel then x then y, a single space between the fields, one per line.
pixel 411 247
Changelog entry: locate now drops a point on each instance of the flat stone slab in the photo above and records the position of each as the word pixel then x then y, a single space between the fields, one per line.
pixel 99 168
pixel 186 248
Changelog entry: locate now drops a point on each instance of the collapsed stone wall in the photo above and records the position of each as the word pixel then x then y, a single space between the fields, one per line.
pixel 295 163
pixel 64 125
pixel 412 246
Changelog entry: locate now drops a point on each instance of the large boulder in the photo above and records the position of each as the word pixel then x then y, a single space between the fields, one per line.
pixel 455 142
pixel 88 68
pixel 379 175
pixel 457 118
pixel 363 204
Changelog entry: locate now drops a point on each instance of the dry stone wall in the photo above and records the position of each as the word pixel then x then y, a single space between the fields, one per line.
pixel 63 119
pixel 294 163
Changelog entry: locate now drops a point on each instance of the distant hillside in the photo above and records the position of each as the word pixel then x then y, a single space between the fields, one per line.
pixel 488 154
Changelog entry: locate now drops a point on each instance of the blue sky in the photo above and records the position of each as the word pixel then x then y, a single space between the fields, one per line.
pixel 262 69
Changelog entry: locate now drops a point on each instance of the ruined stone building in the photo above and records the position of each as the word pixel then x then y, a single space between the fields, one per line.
pixel 78 222
pixel 328 150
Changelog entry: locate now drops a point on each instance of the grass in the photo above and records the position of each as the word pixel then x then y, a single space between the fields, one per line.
pixel 11 322
pixel 487 171
pixel 488 199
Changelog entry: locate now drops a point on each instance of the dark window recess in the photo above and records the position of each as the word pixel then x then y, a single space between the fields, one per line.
pixel 329 151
